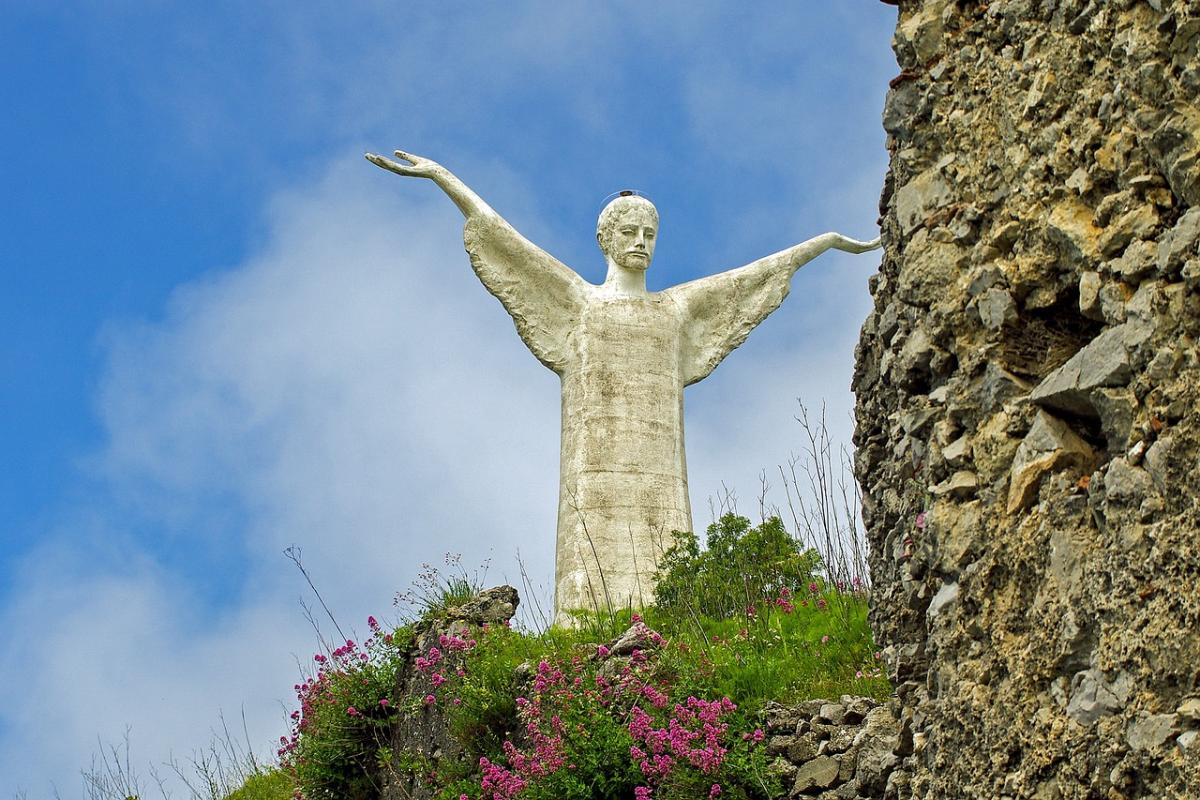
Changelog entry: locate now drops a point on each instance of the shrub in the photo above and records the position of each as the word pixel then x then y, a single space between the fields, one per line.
pixel 739 567
pixel 273 784
pixel 340 731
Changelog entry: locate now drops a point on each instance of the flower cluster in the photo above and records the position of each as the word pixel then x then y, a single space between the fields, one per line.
pixel 346 698
pixel 572 703
pixel 437 667
pixel 693 734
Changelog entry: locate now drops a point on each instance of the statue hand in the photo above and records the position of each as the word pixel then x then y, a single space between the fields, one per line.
pixel 848 245
pixel 417 167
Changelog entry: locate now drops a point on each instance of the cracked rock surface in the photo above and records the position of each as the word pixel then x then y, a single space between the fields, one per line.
pixel 1030 380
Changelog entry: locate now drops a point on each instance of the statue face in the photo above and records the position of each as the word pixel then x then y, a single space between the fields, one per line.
pixel 631 243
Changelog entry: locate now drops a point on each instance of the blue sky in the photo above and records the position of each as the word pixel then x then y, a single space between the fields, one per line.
pixel 224 332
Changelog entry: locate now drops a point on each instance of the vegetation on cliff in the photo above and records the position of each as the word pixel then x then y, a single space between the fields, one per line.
pixel 666 704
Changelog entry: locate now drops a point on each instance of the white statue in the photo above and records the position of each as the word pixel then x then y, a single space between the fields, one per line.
pixel 624 355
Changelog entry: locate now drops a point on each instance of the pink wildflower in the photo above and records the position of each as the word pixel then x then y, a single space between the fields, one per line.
pixel 715 791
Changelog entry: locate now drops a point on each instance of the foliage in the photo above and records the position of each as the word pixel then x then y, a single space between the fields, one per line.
pixel 585 723
pixel 273 784
pixel 436 590
pixel 752 617
pixel 340 730
pixel 740 566
pixel 554 715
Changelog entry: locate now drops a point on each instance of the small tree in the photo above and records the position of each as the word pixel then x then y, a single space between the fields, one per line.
pixel 740 566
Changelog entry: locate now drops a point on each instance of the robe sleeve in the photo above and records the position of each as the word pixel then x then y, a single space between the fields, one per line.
pixel 541 294
pixel 720 311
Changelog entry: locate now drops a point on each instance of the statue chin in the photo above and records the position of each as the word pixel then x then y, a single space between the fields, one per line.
pixel 634 263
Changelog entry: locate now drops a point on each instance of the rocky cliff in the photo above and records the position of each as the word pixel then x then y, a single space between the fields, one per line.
pixel 1027 389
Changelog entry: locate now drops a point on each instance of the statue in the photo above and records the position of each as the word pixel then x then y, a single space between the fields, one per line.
pixel 624 355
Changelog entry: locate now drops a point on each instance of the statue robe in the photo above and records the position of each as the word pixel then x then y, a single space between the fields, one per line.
pixel 623 362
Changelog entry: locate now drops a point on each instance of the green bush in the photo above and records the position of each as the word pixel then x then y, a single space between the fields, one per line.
pixel 275 784
pixel 739 567
pixel 341 730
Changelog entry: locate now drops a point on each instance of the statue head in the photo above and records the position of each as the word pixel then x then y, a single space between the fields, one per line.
pixel 627 230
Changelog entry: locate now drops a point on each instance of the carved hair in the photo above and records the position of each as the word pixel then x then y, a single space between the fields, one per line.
pixel 612 213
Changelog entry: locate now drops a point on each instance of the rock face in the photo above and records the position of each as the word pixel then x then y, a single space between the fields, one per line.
pixel 422 734
pixel 1028 389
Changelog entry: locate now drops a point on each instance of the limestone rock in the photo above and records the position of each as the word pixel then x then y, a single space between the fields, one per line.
pixel 493 607
pixel 802 748
pixel 1089 295
pixel 1151 731
pixel 1049 445
pixel 1070 227
pixel 920 197
pixel 1137 223
pixel 997 309
pixel 833 713
pixel 961 484
pixel 1176 246
pixel 1125 483
pixel 958 451
pixel 1189 710
pixel 820 773
pixel 1105 361
pixel 1094 697
pixel 878 743
pixel 945 596
pixel 1175 146
pixel 1135 263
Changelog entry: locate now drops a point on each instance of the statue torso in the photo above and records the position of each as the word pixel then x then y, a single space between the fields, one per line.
pixel 623 467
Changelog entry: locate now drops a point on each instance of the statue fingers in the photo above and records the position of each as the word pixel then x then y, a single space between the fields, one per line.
pixel 391 166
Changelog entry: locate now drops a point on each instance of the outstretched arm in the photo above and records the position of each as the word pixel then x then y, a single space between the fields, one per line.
pixel 722 309
pixel 469 203
pixel 793 258
pixel 540 293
